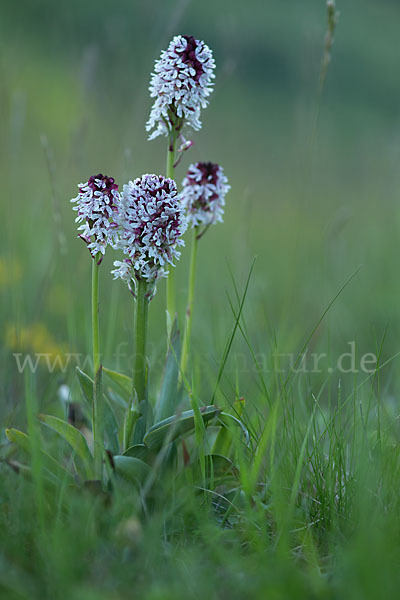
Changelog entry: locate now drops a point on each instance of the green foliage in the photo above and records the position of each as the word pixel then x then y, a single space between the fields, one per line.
pixel 169 398
pixel 291 492
pixel 53 468
pixel 123 382
pixel 158 449
pixel 75 439
pixel 110 421
pixel 170 429
pixel 130 468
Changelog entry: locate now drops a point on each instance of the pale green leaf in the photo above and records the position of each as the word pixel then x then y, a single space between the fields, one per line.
pixel 170 429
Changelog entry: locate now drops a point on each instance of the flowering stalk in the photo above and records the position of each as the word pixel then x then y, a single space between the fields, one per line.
pixel 98 409
pixel 203 197
pixel 181 83
pixel 96 205
pixel 189 308
pixel 171 283
pixel 151 222
pixel 95 315
pixel 141 322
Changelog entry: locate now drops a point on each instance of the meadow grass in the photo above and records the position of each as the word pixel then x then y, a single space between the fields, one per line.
pixel 310 506
pixel 310 511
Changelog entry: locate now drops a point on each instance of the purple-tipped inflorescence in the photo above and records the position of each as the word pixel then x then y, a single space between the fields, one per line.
pixel 151 222
pixel 181 83
pixel 203 196
pixel 97 206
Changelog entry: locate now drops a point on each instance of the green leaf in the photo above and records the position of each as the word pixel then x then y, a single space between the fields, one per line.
pixel 223 442
pixel 86 385
pixel 224 439
pixel 144 420
pixel 221 467
pixel 20 439
pixel 199 429
pixel 226 420
pixel 170 397
pixel 74 438
pixel 218 470
pixel 116 399
pixel 170 429
pixel 110 421
pixel 131 416
pixel 123 382
pixel 111 428
pixel 140 451
pixel 131 469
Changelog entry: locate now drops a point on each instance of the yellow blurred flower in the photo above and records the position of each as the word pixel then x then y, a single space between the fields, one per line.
pixel 35 338
pixel 58 299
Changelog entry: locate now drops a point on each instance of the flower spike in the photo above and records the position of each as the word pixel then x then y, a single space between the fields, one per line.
pixel 97 206
pixel 151 222
pixel 180 84
pixel 203 196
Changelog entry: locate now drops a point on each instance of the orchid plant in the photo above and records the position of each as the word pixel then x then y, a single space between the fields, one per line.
pixel 146 223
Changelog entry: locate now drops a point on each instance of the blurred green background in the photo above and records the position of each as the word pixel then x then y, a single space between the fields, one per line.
pixel 311 207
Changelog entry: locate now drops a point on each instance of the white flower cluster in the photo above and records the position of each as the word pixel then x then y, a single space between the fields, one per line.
pixel 181 83
pixel 203 196
pixel 97 205
pixel 151 222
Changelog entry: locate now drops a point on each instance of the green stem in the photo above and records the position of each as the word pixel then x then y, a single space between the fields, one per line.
pixel 189 309
pixel 138 408
pixel 140 363
pixel 170 169
pixel 98 420
pixel 171 284
pixel 95 315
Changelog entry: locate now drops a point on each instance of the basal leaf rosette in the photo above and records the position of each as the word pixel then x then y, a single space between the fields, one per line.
pixel 181 83
pixel 151 222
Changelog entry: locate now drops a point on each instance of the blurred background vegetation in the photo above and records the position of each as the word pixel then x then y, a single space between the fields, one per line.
pixel 312 208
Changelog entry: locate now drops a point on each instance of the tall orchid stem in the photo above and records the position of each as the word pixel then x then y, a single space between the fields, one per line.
pixel 171 283
pixel 98 409
pixel 190 301
pixel 141 321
